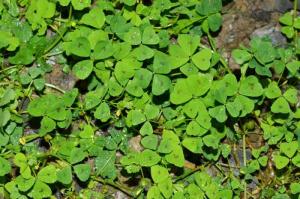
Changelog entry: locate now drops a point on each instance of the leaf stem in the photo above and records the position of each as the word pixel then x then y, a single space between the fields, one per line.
pixel 245 163
pixel 55 87
pixel 294 17
pixel 117 186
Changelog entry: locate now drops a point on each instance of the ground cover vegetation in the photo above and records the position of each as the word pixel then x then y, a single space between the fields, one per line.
pixel 155 111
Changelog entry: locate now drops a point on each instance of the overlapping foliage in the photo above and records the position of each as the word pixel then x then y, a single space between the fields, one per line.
pixel 145 71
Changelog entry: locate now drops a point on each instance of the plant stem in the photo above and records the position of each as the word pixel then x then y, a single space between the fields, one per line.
pixel 245 163
pixel 116 185
pixel 8 68
pixel 54 87
pixel 294 17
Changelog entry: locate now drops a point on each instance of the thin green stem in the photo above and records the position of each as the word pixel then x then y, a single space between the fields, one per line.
pixel 294 17
pixel 55 87
pixel 117 186
pixel 8 68
pixel 245 163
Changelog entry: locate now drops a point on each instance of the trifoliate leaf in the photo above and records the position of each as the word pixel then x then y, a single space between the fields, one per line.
pixel 166 187
pixel 150 142
pixel 289 149
pixel 251 87
pixel 142 53
pixel 102 112
pixel 83 69
pixel 47 125
pixel 148 158
pixel 160 84
pixel 291 95
pixel 5 167
pixel 64 175
pixel 272 91
pixel 80 5
pixel 193 144
pixel 176 157
pixel 94 18
pixel 188 43
pixel 280 161
pixel 82 171
pixel 241 56
pixel 40 190
pixel 47 174
pixel 219 113
pixel 280 105
pixel 159 173
pixel 149 36
pixel 202 59
pixel 181 92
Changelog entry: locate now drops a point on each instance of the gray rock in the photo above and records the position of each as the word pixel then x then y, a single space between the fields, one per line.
pixel 271 31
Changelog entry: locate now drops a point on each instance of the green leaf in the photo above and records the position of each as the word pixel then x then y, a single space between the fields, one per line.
pixel 189 69
pixel 159 173
pixel 114 88
pixel 39 84
pixel 193 144
pixel 280 161
pixel 162 63
pixel 241 56
pixel 280 105
pixel 64 175
pixel 190 110
pixel 143 77
pixel 202 82
pixel 176 157
pixel 234 108
pixel 291 95
pixel 7 97
pixel 181 92
pixel 146 129
pixel 289 149
pixel 148 158
pixel 149 36
pixel 247 105
pixel 23 57
pixel 40 190
pixel 47 125
pixel 166 187
pixel 211 141
pixel 47 174
pixel 150 142
pixel 133 88
pixel 105 164
pixel 265 52
pixel 135 117
pixel 5 167
pixel 142 53
pixel 154 193
pixel 133 36
pixel 70 96
pixel 102 112
pixel 214 22
pixel 296 160
pixel 206 7
pixel 77 155
pixel 4 117
pixel 80 47
pixel 94 18
pixel 24 184
pixel 272 91
pixel 83 69
pixel 286 19
pixel 295 188
pixel 82 171
pixel 293 66
pixel 87 132
pixel 80 5
pixel 219 113
pixel 202 59
pixel 195 129
pixel 103 50
pixel 251 87
pixel 288 31
pixel 189 43
pixel 125 69
pixel 160 84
